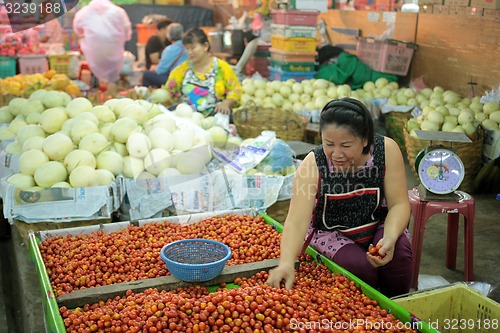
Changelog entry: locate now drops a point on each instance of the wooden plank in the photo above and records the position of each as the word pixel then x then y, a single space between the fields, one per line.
pixel 453 49
pixel 342 23
pixel 93 295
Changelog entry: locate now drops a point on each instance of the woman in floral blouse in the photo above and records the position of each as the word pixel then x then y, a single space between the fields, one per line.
pixel 207 83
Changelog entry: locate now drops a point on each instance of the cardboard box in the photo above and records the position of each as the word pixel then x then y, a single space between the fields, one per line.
pixel 455 3
pixel 490 4
pixel 426 8
pixel 440 9
pixel 457 10
pixel 491 12
pixel 473 11
pixel 431 2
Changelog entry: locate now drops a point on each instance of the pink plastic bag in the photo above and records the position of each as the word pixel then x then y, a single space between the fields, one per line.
pixel 104 28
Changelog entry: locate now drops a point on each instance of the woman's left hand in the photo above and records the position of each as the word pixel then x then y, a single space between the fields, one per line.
pixel 223 107
pixel 386 253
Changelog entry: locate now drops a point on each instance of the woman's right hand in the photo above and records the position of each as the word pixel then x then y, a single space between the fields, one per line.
pixel 281 274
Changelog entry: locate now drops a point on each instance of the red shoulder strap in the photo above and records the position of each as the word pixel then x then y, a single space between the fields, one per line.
pixel 176 59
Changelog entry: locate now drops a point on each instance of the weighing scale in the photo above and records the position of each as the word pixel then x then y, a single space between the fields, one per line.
pixel 439 169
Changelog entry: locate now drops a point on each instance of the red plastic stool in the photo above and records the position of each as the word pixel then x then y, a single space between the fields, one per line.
pixel 423 210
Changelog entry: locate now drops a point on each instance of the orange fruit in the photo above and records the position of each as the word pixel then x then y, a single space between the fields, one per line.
pixel 73 89
pixel 50 73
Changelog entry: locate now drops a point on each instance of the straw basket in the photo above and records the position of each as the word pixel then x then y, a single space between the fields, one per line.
pixel 5 99
pixel 279 210
pixel 469 153
pixel 251 120
pixel 394 124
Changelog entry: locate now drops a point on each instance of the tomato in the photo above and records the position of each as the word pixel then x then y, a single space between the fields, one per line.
pixel 373 250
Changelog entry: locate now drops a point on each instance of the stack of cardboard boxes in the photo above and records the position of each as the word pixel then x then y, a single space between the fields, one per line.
pixel 488 8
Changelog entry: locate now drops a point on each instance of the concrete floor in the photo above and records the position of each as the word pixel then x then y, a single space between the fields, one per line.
pixel 21 299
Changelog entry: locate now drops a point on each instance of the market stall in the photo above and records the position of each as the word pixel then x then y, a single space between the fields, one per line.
pixel 247 282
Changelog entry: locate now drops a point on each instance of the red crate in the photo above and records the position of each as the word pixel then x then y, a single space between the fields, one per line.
pixel 389 56
pixel 295 17
pixel 259 65
pixel 144 31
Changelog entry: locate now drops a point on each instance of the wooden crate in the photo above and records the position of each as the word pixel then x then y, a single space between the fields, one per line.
pixel 24 228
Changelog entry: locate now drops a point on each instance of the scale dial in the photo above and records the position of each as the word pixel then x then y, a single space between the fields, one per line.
pixel 441 171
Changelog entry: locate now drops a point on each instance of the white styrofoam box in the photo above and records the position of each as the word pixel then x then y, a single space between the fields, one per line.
pixel 321 5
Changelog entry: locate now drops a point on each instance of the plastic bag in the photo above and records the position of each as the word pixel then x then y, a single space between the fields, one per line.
pixel 249 155
pixel 388 32
pixel 104 28
pixel 222 120
pixel 278 160
pixel 483 287
pixel 128 63
pixel 491 96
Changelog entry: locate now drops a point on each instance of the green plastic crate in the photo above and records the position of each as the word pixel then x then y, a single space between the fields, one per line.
pixel 384 302
pixel 7 67
pixel 293 66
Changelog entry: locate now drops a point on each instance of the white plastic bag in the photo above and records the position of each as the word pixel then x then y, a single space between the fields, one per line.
pixel 249 155
pixel 128 63
pixel 491 96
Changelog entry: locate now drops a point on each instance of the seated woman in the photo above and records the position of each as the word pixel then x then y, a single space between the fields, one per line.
pixel 346 195
pixel 157 43
pixel 171 57
pixel 207 83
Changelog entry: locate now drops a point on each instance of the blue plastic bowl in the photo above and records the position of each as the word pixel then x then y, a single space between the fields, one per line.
pixel 195 260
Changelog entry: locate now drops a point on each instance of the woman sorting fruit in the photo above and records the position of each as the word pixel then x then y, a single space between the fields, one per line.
pixel 207 83
pixel 350 202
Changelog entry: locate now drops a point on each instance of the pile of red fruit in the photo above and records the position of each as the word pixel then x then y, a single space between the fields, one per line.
pixel 319 302
pixel 77 262
pixel 13 44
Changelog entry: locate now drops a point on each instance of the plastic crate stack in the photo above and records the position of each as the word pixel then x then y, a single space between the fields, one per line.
pixel 70 39
pixel 259 62
pixel 293 44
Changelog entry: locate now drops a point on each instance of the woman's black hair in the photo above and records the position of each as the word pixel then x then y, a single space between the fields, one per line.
pixel 195 35
pixel 163 24
pixel 351 114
